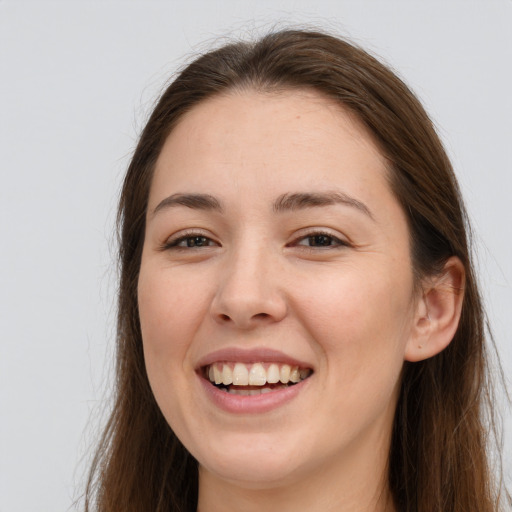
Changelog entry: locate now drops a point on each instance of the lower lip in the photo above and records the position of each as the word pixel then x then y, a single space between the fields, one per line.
pixel 252 404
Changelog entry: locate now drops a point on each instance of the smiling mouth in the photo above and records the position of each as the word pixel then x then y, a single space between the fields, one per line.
pixel 254 379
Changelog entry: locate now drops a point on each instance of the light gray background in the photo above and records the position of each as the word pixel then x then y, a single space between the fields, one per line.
pixel 76 82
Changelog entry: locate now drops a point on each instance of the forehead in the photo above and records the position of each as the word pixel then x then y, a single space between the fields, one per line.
pixel 298 117
pixel 253 140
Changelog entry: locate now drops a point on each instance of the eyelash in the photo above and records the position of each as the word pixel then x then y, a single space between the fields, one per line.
pixel 335 242
pixel 174 243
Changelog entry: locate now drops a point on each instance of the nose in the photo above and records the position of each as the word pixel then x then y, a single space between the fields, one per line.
pixel 249 292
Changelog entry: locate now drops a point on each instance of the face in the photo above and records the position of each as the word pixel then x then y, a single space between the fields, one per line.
pixel 276 263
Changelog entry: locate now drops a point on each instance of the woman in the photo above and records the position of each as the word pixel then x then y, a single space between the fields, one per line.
pixel 299 323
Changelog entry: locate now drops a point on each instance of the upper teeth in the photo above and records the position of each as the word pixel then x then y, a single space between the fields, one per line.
pixel 255 374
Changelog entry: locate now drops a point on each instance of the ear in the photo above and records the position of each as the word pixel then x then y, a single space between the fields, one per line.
pixel 437 313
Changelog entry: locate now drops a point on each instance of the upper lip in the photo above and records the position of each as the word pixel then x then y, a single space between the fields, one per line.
pixel 255 355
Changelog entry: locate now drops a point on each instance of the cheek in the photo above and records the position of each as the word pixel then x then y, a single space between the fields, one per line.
pixel 170 310
pixel 169 307
pixel 361 327
pixel 361 320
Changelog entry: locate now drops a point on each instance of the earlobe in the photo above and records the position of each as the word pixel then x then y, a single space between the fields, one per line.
pixel 438 312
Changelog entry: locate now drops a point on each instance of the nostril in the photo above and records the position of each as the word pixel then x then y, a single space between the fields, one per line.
pixel 261 315
pixel 223 317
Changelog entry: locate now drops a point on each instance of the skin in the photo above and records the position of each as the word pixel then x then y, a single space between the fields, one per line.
pixel 349 309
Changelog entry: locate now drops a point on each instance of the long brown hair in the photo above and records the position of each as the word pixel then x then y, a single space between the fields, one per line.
pixel 438 456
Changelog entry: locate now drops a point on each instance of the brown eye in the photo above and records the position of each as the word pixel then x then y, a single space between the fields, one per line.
pixel 190 241
pixel 321 240
pixel 197 241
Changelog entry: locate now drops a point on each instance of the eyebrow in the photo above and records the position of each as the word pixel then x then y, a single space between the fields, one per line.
pixel 285 202
pixel 194 201
pixel 299 201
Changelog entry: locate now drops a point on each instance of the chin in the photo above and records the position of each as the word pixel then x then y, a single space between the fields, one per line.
pixel 252 464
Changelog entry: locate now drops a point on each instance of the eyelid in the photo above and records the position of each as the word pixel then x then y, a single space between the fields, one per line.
pixel 172 241
pixel 342 241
